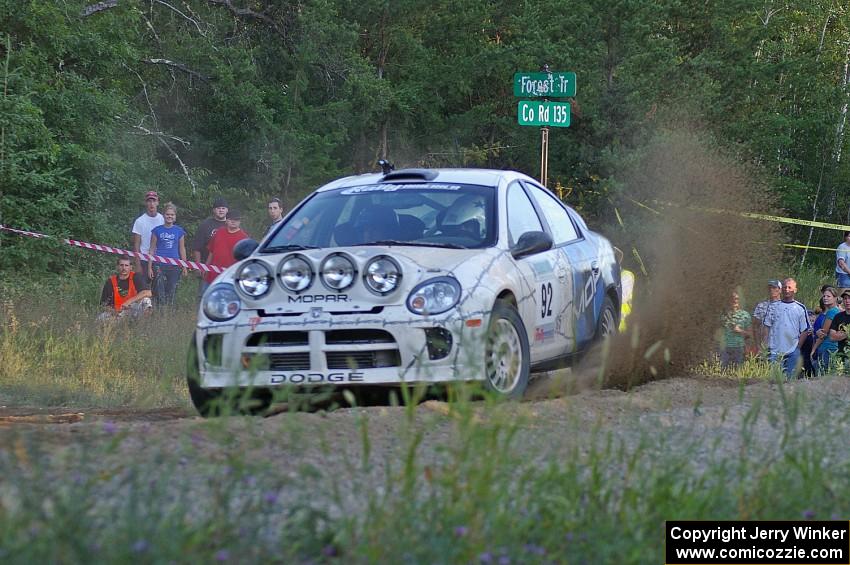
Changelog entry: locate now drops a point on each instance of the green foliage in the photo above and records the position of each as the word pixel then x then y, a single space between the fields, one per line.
pixel 198 98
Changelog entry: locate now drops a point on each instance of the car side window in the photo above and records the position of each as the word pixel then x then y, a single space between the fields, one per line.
pixel 557 217
pixel 522 217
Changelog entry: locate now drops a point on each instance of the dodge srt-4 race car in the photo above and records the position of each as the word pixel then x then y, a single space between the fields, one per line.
pixel 416 275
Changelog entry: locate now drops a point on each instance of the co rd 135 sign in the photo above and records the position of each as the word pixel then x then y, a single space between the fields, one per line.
pixel 534 113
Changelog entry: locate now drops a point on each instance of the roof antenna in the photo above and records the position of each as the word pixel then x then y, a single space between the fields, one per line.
pixel 386 166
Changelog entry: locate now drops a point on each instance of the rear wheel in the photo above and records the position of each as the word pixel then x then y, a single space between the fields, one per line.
pixel 607 323
pixel 507 360
pixel 211 402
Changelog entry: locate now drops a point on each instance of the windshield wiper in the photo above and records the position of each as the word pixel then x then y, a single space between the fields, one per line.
pixel 413 244
pixel 291 247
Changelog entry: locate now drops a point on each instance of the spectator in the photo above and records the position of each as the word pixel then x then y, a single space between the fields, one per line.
pixel 788 321
pixel 125 292
pixel 142 228
pixel 168 240
pixel 205 232
pixel 760 331
pixel 824 347
pixel 275 213
pixel 222 243
pixel 736 327
pixel 842 262
pixel 840 328
pixel 808 348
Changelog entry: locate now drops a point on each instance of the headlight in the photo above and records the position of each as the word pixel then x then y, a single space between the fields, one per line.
pixel 254 278
pixel 434 296
pixel 382 275
pixel 295 273
pixel 221 303
pixel 338 271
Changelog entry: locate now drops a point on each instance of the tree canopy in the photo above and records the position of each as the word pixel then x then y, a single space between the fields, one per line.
pixel 257 98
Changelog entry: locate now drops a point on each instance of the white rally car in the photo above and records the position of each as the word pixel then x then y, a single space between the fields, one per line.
pixel 417 275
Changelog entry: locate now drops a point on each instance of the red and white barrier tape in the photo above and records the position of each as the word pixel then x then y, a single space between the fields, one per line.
pixel 114 250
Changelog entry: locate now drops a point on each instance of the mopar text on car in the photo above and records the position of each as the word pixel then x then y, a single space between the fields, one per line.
pixel 416 275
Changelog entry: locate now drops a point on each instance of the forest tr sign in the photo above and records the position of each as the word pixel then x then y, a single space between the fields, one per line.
pixel 550 85
pixel 544 85
pixel 545 113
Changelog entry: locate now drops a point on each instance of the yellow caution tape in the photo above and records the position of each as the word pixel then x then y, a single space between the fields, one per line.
pixel 769 218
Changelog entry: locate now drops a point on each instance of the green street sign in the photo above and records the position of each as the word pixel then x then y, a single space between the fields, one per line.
pixel 550 85
pixel 536 113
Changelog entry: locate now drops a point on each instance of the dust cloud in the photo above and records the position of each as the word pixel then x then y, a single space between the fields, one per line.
pixel 683 236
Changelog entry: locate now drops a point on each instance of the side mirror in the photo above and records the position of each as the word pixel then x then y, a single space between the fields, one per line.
pixel 531 242
pixel 244 248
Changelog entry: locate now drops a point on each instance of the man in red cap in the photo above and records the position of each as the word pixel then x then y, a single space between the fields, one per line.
pixel 142 228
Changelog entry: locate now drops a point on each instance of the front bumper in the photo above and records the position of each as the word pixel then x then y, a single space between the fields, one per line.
pixel 319 348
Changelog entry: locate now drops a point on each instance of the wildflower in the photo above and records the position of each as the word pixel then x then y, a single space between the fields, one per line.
pixel 330 550
pixel 461 531
pixel 504 560
pixel 270 497
pixel 535 549
pixel 569 536
pixel 140 546
pixel 222 555
pixel 110 428
pixel 808 514
pixel 485 558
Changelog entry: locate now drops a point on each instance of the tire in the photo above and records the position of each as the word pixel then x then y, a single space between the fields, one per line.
pixel 608 322
pixel 220 402
pixel 507 357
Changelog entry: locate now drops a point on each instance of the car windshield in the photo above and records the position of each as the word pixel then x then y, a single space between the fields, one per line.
pixel 425 214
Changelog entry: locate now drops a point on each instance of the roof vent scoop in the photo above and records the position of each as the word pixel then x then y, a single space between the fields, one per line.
pixel 410 174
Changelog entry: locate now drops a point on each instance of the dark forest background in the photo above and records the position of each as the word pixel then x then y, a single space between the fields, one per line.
pixel 258 98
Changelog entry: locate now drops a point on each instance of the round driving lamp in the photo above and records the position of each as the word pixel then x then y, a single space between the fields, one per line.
pixel 382 275
pixel 254 279
pixel 338 272
pixel 295 273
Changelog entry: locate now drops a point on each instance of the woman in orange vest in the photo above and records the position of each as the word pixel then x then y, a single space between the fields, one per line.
pixel 125 292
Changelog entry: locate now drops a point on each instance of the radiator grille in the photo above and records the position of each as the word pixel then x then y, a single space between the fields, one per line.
pixel 363 359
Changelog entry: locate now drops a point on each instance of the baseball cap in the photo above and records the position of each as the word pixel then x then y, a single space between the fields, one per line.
pixel 233 214
pixel 220 203
pixel 845 293
pixel 151 194
pixel 775 283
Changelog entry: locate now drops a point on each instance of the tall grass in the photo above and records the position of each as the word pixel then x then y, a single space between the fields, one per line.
pixel 485 484
pixel 55 353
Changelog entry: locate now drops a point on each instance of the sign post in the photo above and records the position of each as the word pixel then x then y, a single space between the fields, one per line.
pixel 544 113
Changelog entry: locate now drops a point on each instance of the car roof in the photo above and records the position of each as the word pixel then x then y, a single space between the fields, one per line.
pixel 480 177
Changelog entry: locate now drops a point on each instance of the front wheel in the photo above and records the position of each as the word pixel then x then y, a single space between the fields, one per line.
pixel 221 402
pixel 507 359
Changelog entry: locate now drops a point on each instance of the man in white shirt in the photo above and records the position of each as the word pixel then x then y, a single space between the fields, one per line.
pixel 788 321
pixel 142 228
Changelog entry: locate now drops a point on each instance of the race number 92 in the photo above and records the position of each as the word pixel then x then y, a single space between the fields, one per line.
pixel 546 294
